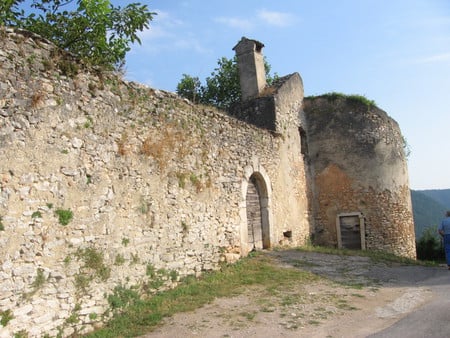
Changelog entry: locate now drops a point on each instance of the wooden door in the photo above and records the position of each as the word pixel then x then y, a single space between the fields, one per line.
pixel 349 230
pixel 254 219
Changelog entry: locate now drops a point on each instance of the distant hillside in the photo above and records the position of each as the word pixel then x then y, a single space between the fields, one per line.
pixel 440 195
pixel 427 210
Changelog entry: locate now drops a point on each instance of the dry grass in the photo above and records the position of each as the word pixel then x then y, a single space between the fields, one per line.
pixel 162 147
pixel 37 99
pixel 122 145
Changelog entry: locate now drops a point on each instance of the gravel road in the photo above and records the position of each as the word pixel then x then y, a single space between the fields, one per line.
pixel 356 298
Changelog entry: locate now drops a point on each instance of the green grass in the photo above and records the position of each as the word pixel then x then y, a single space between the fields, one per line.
pixel 5 317
pixel 39 280
pixel 135 315
pixel 374 255
pixel 361 99
pixel 93 260
pixel 142 315
pixel 36 214
pixel 64 216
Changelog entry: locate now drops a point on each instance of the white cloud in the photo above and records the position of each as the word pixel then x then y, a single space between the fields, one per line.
pixel 167 33
pixel 235 23
pixel 274 18
pixel 161 26
pixel 190 43
pixel 153 33
pixel 271 18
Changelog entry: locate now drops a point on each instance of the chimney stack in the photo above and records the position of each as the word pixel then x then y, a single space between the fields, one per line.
pixel 252 74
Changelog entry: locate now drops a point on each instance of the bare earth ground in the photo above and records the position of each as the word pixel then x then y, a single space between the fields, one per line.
pixel 356 298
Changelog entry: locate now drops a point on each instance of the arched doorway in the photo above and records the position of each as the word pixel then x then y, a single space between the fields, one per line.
pixel 258 234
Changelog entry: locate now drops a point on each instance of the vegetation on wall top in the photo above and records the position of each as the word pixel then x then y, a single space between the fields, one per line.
pixel 333 96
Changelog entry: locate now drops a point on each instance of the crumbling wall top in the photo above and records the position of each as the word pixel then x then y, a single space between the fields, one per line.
pixel 248 45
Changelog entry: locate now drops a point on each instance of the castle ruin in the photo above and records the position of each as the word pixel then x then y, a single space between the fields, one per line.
pixel 94 166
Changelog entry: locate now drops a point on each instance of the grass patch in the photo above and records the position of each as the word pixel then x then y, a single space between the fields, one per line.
pixel 135 315
pixel 5 317
pixel 374 255
pixel 119 260
pixel 122 297
pixel 144 314
pixel 125 241
pixel 93 262
pixel 354 98
pixel 64 216
pixel 36 214
pixel 39 280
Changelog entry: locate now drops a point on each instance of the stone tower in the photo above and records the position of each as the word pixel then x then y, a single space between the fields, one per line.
pixel 251 67
pixel 360 177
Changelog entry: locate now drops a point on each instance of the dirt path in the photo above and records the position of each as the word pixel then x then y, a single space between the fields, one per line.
pixel 356 298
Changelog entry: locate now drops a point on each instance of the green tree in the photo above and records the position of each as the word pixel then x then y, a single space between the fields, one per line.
pixel 190 88
pixel 222 88
pixel 94 30
pixel 9 12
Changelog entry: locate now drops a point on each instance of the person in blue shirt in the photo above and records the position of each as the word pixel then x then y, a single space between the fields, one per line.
pixel 444 231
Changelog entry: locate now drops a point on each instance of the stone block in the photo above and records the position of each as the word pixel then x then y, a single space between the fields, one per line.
pixel 46 318
pixel 23 311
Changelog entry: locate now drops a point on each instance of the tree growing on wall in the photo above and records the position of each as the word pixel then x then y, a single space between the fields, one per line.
pixel 222 88
pixel 94 30
pixel 190 87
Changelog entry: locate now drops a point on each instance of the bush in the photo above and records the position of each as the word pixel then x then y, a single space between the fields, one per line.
pixel 64 216
pixel 122 298
pixel 430 247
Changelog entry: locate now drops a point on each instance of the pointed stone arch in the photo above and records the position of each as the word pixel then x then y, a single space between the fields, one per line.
pixel 255 210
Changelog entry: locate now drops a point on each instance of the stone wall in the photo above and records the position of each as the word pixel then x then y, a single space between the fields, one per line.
pixel 276 109
pixel 107 184
pixel 358 163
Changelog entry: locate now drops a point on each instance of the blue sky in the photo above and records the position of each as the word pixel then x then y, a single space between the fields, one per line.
pixel 395 52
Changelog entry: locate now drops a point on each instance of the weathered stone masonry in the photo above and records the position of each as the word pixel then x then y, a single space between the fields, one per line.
pixel 152 180
pixel 356 153
pixel 158 187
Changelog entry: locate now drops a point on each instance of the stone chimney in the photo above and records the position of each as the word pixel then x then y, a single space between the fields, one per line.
pixel 252 74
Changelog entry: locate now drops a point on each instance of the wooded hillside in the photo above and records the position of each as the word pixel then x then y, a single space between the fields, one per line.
pixel 429 207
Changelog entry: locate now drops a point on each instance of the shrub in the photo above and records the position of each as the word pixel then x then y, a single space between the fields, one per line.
pixel 5 317
pixel 119 260
pixel 93 260
pixel 64 216
pixel 429 246
pixel 122 297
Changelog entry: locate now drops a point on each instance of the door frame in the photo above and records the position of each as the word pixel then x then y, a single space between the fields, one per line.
pixel 264 186
pixel 362 228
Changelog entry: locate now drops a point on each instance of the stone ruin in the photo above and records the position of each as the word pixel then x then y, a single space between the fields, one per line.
pixel 97 169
